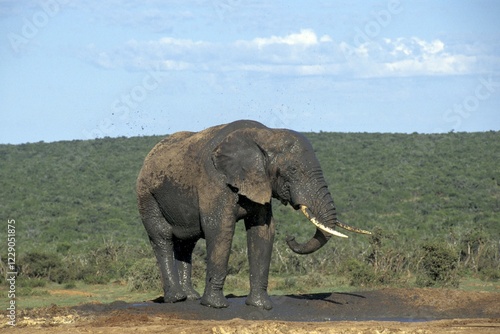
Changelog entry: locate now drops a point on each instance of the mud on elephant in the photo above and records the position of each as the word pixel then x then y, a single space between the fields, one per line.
pixel 198 185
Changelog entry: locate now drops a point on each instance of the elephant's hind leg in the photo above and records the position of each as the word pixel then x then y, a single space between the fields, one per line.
pixel 161 238
pixel 183 255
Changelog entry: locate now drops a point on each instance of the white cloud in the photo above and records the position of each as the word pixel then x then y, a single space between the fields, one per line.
pixel 427 58
pixel 413 46
pixel 408 57
pixel 168 47
pixel 325 38
pixel 302 53
pixel 184 43
pixel 435 46
pixel 166 54
pixel 305 38
pixel 172 65
pixel 302 49
pixel 442 65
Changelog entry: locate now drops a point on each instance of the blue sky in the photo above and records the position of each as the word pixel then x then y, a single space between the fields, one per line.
pixel 87 69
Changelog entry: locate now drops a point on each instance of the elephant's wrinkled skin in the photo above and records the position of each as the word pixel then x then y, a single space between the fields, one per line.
pixel 198 185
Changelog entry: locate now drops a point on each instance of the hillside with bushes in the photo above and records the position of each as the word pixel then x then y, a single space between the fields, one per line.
pixel 432 200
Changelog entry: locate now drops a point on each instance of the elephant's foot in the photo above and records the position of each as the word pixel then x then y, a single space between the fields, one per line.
pixel 214 299
pixel 192 294
pixel 174 296
pixel 260 300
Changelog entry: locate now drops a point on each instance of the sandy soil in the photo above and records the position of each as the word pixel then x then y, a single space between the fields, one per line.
pixel 380 311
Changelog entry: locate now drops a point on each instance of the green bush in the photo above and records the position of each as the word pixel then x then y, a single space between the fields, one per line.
pixel 102 263
pixel 28 291
pixel 387 256
pixel 70 285
pixel 60 275
pixel 479 253
pixel 438 266
pixel 44 265
pixel 144 275
pixel 26 282
pixel 92 275
pixel 489 274
pixel 63 248
pixel 287 284
pixel 359 273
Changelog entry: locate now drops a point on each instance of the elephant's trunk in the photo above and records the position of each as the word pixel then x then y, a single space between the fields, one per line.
pixel 318 206
pixel 316 242
pixel 321 213
pixel 323 233
pixel 325 226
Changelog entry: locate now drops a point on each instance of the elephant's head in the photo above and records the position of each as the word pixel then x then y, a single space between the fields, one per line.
pixel 260 163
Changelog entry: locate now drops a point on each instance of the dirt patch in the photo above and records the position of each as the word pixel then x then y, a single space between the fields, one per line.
pixel 70 293
pixel 446 301
pixel 121 319
pixel 382 311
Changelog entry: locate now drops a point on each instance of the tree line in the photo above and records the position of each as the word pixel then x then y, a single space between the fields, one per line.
pixel 432 200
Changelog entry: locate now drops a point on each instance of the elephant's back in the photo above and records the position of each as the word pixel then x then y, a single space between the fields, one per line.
pixel 182 156
pixel 183 145
pixel 176 158
pixel 170 143
pixel 187 143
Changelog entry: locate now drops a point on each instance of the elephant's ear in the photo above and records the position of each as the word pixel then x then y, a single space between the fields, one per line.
pixel 244 165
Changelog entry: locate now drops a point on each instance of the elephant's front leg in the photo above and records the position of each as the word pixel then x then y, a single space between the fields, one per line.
pixel 260 236
pixel 219 237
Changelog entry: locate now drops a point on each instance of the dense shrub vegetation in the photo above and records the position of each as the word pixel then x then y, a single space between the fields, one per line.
pixel 432 201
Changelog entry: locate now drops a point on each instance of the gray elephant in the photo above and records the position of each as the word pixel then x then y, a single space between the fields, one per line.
pixel 199 184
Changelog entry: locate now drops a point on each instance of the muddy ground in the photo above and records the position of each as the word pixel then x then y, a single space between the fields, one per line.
pixel 380 311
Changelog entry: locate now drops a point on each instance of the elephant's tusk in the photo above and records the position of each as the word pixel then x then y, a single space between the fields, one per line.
pixel 351 228
pixel 305 210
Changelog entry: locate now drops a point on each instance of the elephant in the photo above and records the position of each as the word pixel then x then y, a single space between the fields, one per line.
pixel 196 185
